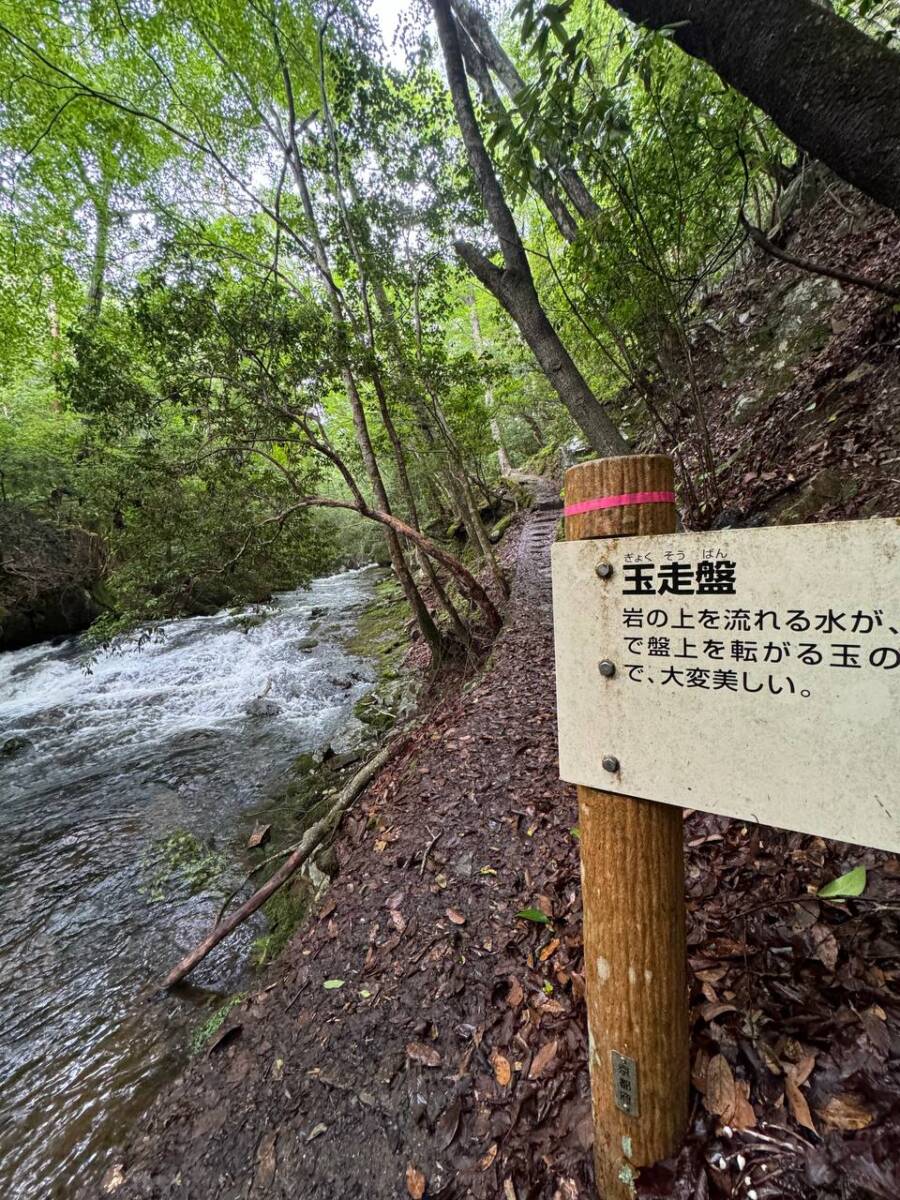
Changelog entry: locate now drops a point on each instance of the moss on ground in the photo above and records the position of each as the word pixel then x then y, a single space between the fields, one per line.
pixel 284 912
pixel 210 1027
pixel 181 861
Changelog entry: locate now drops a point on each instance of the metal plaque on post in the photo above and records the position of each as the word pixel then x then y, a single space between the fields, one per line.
pixel 749 672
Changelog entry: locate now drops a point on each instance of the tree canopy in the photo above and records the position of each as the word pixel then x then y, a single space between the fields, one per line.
pixel 253 269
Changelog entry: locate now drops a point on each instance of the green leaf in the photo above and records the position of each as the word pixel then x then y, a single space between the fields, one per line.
pixel 533 914
pixel 331 984
pixel 851 884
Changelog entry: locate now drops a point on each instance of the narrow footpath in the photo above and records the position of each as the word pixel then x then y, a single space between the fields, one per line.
pixel 449 1053
pixel 426 1034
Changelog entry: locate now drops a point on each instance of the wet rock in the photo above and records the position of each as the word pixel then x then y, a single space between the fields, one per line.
pixel 500 528
pixel 328 862
pixel 113 1179
pixel 14 746
pixel 307 643
pixel 320 610
pixel 746 404
pixel 318 880
pixel 261 707
pixel 464 866
pixel 337 762
pixel 371 711
pixel 828 486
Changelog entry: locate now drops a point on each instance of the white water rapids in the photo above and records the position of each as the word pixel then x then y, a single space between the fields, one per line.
pixel 155 739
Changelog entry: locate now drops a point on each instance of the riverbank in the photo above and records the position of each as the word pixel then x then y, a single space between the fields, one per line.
pixel 425 1031
pixel 132 786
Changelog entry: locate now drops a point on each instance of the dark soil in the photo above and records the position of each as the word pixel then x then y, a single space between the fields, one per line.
pixel 455 1053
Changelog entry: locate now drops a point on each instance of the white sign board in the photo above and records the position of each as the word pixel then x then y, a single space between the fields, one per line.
pixel 751 672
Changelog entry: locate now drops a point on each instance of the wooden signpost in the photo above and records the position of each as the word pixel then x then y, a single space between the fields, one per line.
pixel 752 673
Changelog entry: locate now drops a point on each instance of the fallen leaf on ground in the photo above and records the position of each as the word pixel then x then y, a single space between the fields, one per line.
pixel 846 1113
pixel 266 1161
pixel 485 1162
pixel 533 914
pixel 720 1090
pixel 798 1105
pixel 426 1055
pixel 113 1179
pixel 853 883
pixel 447 1125
pixel 825 947
pixel 516 994
pixel 332 985
pixel 502 1069
pixel 710 1011
pixel 415 1182
pixel 542 1060
pixel 259 836
pixel 744 1116
pixel 398 920
pixel 802 1069
pixel 456 917
pixel 549 949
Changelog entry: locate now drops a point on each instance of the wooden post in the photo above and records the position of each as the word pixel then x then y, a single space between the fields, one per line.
pixel 632 867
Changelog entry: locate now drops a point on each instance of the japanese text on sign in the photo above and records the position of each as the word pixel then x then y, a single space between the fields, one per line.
pixel 729 661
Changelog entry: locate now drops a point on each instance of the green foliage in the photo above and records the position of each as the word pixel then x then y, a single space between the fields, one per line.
pixel 215 214
pixel 284 911
pixel 852 883
pixel 181 861
pixel 535 915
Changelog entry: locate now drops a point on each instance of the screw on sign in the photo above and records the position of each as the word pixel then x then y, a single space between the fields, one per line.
pixel 703 670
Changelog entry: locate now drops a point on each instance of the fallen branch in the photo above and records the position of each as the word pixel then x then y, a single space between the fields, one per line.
pixel 309 842
pixel 806 264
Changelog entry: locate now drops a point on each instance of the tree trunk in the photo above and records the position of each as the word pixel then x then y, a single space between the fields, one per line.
pixel 516 292
pixel 97 283
pixel 513 285
pixel 498 61
pixel 827 85
pixel 423 617
pixel 479 69
pixel 502 456
pixel 459 629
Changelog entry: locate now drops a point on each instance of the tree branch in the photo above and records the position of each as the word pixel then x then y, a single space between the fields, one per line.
pixel 806 264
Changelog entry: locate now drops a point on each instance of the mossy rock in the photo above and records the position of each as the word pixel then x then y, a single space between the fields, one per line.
pixel 500 528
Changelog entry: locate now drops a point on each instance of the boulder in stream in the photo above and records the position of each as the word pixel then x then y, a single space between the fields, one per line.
pixel 14 745
pixel 261 707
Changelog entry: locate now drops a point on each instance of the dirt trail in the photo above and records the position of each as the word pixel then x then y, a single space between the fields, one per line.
pixel 337 1092
pixel 454 1053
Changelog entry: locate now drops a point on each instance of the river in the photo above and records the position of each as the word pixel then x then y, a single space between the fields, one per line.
pixel 153 741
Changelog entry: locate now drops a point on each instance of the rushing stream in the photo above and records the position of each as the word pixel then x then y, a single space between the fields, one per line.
pixel 154 740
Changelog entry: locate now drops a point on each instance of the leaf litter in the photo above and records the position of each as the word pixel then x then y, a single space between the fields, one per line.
pixel 461 1064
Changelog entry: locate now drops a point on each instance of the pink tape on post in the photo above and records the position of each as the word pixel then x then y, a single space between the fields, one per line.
pixel 583 506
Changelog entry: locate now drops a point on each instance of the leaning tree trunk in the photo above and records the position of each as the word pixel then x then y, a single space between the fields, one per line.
pixel 423 617
pixel 487 45
pixel 832 89
pixel 513 284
